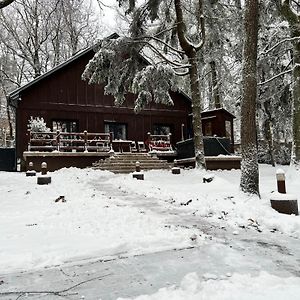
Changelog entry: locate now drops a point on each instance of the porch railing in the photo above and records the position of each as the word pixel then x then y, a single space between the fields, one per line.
pixel 159 142
pixel 69 141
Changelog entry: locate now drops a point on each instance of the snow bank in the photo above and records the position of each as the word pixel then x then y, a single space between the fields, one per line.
pixel 237 287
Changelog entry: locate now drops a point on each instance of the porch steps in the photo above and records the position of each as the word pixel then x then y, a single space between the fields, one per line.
pixel 125 163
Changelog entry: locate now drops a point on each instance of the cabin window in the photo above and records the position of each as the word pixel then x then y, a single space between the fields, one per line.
pixel 65 126
pixel 118 130
pixel 228 129
pixel 208 129
pixel 161 129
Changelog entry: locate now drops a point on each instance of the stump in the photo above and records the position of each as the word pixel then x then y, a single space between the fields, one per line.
pixel 285 204
pixel 138 175
pixel 175 170
pixel 43 180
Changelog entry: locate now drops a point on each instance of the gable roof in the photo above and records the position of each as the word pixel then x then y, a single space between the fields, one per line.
pixel 221 109
pixel 14 96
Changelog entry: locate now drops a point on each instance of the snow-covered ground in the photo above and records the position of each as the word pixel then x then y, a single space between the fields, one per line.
pixel 235 287
pixel 111 216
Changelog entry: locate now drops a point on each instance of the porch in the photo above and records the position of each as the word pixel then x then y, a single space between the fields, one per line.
pixel 66 149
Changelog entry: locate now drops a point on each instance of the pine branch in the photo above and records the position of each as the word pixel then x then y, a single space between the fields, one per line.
pixel 154 49
pixel 162 42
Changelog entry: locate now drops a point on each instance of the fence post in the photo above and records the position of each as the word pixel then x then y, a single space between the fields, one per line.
pixel 280 176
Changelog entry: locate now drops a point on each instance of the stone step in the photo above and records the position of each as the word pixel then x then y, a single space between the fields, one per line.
pixel 129 170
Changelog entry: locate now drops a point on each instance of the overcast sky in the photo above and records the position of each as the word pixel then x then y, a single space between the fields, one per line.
pixel 108 17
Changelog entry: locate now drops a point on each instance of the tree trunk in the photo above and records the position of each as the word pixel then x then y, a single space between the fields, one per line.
pixel 249 166
pixel 196 107
pixel 191 52
pixel 215 86
pixel 296 97
pixel 294 23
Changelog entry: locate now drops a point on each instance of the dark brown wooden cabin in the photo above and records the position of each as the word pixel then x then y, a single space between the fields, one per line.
pixel 68 103
pixel 218 122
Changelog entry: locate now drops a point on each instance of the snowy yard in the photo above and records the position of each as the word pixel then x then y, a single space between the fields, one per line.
pixel 111 216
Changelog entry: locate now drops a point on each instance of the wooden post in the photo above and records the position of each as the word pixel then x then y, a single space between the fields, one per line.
pixel 137 174
pixel 85 141
pixel 44 168
pixel 137 166
pixel 30 166
pixel 58 140
pixel 280 176
pixel 30 171
pixel 282 202
pixel 182 132
pixel 29 138
pixel 44 179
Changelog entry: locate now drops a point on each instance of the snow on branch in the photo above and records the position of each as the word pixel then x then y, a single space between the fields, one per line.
pixel 292 39
pixel 119 65
pixel 276 76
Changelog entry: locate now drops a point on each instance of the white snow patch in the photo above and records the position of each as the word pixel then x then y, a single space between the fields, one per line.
pixel 237 287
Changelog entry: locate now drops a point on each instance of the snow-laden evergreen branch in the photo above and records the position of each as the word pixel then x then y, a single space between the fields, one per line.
pixel 121 68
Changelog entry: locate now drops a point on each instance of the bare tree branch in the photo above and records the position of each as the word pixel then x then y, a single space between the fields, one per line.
pixel 276 76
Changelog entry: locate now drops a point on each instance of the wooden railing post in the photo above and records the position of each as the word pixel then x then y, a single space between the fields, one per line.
pixel 58 140
pixel 182 132
pixel 29 138
pixel 85 140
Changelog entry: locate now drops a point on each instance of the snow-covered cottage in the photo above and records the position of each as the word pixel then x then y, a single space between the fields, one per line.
pixel 69 104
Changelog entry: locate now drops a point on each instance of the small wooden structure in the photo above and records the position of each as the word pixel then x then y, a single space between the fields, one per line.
pixel 218 122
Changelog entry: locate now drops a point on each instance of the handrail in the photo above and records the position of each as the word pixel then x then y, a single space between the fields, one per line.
pixel 69 141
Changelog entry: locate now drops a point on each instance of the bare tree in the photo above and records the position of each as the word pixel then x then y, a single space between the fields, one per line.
pixel 249 166
pixel 36 35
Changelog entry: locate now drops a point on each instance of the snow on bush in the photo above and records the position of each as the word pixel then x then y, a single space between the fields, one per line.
pixel 37 124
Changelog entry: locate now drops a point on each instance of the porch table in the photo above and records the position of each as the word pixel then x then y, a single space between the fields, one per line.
pixel 122 145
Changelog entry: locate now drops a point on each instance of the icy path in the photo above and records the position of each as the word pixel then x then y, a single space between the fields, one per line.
pixel 219 253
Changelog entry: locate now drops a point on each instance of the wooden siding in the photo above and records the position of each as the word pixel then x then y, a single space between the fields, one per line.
pixel 63 95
